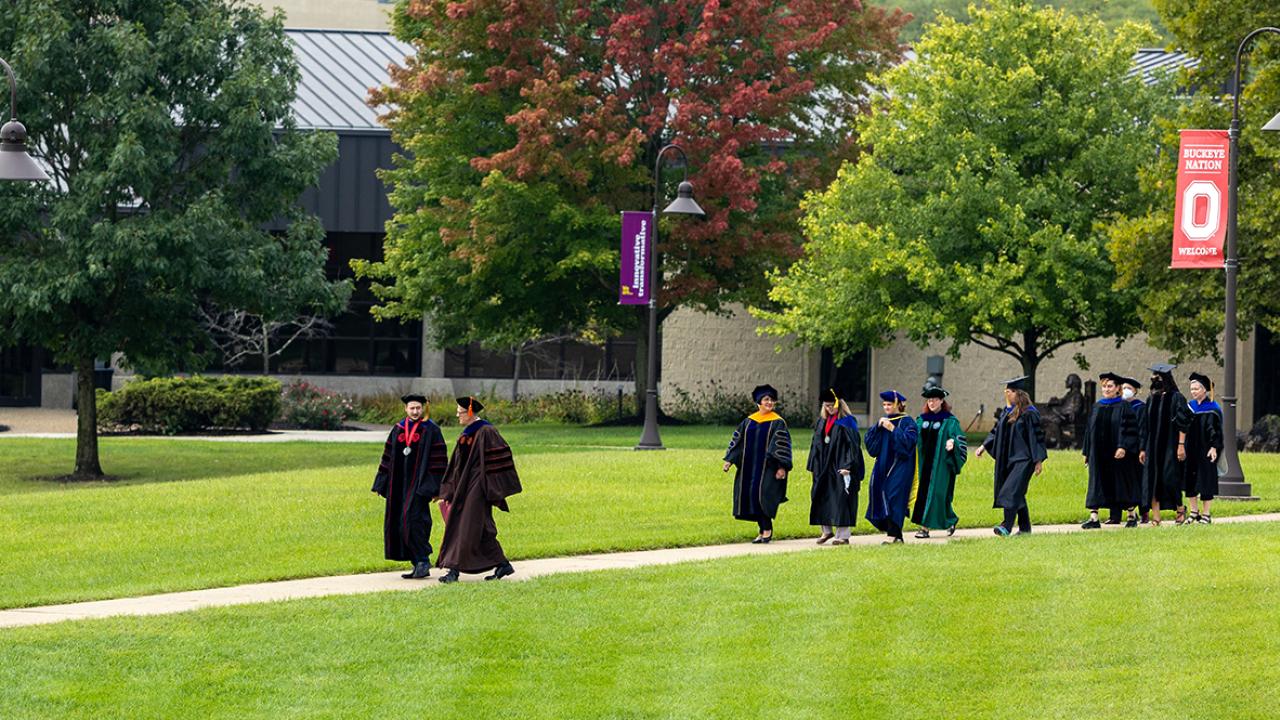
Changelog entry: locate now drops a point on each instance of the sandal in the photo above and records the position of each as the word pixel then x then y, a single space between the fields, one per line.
pixel 1205 519
pixel 922 533
pixel 1181 517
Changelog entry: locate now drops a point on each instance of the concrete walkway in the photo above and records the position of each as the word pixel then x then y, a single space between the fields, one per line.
pixel 525 570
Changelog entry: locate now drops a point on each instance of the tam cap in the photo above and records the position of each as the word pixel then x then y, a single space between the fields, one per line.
pixel 762 391
pixel 933 391
pixel 470 403
pixel 892 396
pixel 1202 379
pixel 413 397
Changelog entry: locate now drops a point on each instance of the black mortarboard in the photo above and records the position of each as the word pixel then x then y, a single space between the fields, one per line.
pixel 933 391
pixel 762 391
pixel 1018 383
pixel 829 396
pixel 1130 381
pixel 1162 368
pixel 470 403
pixel 413 397
pixel 1202 379
pixel 1117 379
pixel 892 396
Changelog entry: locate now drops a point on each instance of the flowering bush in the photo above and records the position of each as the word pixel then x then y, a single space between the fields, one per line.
pixel 309 407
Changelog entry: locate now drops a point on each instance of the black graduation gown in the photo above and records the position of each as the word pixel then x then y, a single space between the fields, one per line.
pixel 481 476
pixel 1201 473
pixel 1162 476
pixel 409 482
pixel 1113 424
pixel 831 503
pixel 1136 468
pixel 759 447
pixel 1016 448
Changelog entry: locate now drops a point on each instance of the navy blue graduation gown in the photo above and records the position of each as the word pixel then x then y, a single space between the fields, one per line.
pixel 894 474
pixel 759 448
pixel 1016 448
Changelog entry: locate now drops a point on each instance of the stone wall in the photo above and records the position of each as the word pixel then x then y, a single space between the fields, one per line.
pixel 702 352
pixel 974 379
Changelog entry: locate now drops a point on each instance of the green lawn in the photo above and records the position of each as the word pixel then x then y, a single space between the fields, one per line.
pixel 193 514
pixel 1169 623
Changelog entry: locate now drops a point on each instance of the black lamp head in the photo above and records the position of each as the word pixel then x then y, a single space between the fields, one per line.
pixel 684 204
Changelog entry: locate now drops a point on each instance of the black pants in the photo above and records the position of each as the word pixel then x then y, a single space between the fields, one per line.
pixel 418 525
pixel 766 525
pixel 893 530
pixel 1023 517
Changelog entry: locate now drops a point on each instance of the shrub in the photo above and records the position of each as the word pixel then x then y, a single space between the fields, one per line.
pixel 190 404
pixel 306 406
pixel 711 404
pixel 573 407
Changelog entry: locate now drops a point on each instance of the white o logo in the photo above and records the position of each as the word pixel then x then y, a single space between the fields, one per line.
pixel 1213 215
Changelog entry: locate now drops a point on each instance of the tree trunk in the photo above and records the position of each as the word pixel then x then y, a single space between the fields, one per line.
pixel 515 375
pixel 266 349
pixel 1030 360
pixel 87 464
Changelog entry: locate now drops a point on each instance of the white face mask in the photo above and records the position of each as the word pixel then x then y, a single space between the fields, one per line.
pixel 1127 393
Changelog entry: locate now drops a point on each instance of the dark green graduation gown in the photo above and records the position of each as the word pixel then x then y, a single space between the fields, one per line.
pixel 938 470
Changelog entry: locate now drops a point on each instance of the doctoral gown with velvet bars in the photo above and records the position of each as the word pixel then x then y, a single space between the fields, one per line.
pixel 1016 447
pixel 938 470
pixel 1162 476
pixel 1113 424
pixel 759 447
pixel 832 502
pixel 893 477
pixel 1201 473
pixel 409 482
pixel 480 477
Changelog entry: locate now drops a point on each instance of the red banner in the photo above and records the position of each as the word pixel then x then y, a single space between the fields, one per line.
pixel 1200 210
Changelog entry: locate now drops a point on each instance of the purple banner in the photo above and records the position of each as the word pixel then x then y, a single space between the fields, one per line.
pixel 637 242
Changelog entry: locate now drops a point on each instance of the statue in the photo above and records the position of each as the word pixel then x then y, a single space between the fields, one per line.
pixel 1064 418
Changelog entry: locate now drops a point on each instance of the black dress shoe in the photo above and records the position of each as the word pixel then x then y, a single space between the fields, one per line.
pixel 762 540
pixel 501 572
pixel 421 570
pixel 1091 525
pixel 450 577
pixel 951 531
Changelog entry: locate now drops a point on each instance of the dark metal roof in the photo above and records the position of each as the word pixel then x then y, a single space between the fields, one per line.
pixel 339 67
pixel 1152 63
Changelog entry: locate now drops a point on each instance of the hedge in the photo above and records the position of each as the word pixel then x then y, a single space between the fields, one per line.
pixel 191 404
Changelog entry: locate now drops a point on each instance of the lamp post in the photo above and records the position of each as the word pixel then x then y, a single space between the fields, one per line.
pixel 15 162
pixel 684 204
pixel 1232 484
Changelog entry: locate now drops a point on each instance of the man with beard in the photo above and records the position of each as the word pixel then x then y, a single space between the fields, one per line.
pixel 413 461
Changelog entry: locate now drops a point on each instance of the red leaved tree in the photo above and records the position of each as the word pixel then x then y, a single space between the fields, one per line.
pixel 530 124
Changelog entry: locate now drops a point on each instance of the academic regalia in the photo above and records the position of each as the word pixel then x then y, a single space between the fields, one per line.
pixel 480 477
pixel 1016 448
pixel 759 447
pixel 1201 473
pixel 836 446
pixel 1167 415
pixel 1134 463
pixel 938 469
pixel 893 477
pixel 1113 424
pixel 409 482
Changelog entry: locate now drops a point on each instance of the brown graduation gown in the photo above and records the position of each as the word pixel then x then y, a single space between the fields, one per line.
pixel 481 476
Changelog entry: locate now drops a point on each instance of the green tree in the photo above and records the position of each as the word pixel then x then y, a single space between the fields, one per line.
pixel 1182 310
pixel 166 128
pixel 973 217
pixel 532 124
